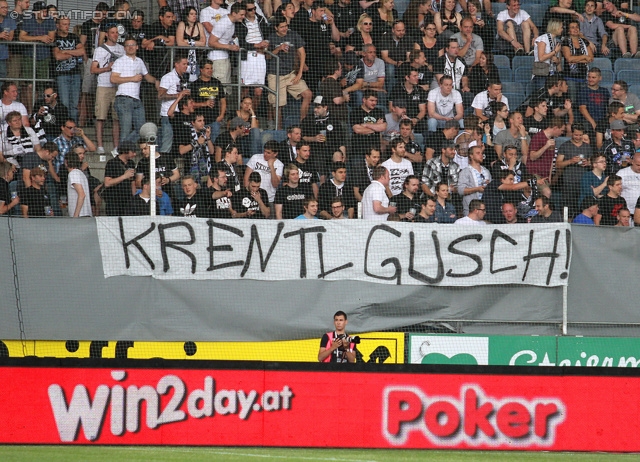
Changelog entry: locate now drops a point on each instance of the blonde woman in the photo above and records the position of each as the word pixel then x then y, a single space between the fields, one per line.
pixel 546 53
pixel 362 36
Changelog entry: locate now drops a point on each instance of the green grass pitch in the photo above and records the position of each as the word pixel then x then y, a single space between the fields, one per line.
pixel 187 454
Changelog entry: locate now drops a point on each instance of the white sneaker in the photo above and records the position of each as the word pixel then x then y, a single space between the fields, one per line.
pixel 100 150
pixel 114 153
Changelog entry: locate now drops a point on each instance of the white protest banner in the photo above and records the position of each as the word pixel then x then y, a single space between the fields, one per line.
pixel 388 253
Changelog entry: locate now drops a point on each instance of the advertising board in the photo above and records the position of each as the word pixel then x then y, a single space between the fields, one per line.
pixel 205 405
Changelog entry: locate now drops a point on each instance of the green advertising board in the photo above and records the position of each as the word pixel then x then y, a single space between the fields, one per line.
pixel 523 350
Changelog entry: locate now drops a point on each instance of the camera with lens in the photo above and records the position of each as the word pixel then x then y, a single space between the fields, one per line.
pixel 348 340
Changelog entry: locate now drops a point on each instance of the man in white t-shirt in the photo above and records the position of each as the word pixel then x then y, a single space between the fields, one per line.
pixel 477 211
pixel 269 168
pixel 222 41
pixel 9 104
pixel 631 184
pixel 78 192
pixel 168 91
pixel 127 72
pixel 375 202
pixel 482 100
pixel 210 16
pixel 444 104
pixel 103 58
pixel 516 29
pixel 399 167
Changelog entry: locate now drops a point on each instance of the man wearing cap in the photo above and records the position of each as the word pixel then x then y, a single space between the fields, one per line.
pixel 119 180
pixel 589 206
pixel 619 150
pixel 37 28
pixel 324 132
pixel 287 44
pixel 237 129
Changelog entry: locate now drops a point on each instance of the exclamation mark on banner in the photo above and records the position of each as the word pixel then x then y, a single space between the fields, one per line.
pixel 567 236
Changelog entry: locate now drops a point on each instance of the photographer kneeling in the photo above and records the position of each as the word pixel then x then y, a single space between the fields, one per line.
pixel 337 346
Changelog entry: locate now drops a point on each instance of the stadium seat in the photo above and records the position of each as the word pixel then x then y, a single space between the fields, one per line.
pixel 401 6
pixel 561 140
pixel 635 89
pixel 502 61
pixel 522 74
pixel 277 135
pixel 522 61
pixel 515 99
pixel 607 79
pixel 623 64
pixel 498 7
pixel 536 12
pixel 506 75
pixel 632 77
pixel 604 64
pixel 513 87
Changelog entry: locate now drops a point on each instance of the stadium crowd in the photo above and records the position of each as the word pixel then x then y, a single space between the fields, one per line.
pixel 385 117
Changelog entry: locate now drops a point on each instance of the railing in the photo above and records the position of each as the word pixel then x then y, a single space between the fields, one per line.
pixel 32 79
pixel 238 84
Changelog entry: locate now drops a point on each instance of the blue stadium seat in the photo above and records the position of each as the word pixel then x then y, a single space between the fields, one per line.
pixel 561 140
pixel 635 89
pixel 401 6
pixel 276 135
pixel 632 77
pixel 624 63
pixel 536 12
pixel 604 64
pixel 515 99
pixel 506 75
pixel 522 74
pixel 522 61
pixel 502 61
pixel 607 79
pixel 513 87
pixel 498 7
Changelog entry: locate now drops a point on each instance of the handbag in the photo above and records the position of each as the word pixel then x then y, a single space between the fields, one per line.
pixel 542 69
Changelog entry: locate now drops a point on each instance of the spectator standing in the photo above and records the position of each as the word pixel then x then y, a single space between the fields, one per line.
pixel 287 44
pixel 291 194
pixel 441 169
pixel 35 201
pixel 543 149
pixel 578 54
pixel 127 73
pixel 399 167
pixel 611 203
pixel 223 41
pixel 49 114
pixel 631 184
pixel 171 85
pixel 592 101
pixel 269 167
pixel 209 98
pixel 252 34
pixel 572 163
pixel 103 58
pixel 367 123
pixel 516 136
pixel 473 179
pixel 119 180
pixel 395 47
pixel 117 19
pixel 252 201
pixel 78 192
pixel 363 172
pixel 445 211
pixel 190 33
pixel 619 150
pixel 8 27
pixel 336 187
pixel 37 28
pixel 589 206
pixel 375 202
pixel 594 183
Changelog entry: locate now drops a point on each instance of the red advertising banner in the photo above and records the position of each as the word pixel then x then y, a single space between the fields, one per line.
pixel 318 408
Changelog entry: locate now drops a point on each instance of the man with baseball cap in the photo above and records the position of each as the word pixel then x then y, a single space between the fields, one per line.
pixel 619 150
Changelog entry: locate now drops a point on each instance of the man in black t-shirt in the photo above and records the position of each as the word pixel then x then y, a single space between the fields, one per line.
pixel 220 206
pixel 34 201
pixel 291 195
pixel 119 180
pixel 237 128
pixel 209 98
pixel 367 123
pixel 166 168
pixel 308 170
pixel 118 19
pixel 336 187
pixel 361 172
pixel 195 203
pixel 251 202
pixel 611 203
pixel 162 34
pixel 408 199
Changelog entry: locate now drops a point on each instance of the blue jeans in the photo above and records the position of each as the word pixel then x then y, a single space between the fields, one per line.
pixel 69 87
pixel 390 77
pixel 131 115
pixel 165 135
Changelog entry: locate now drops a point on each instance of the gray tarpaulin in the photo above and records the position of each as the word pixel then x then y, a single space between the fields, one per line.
pixel 64 295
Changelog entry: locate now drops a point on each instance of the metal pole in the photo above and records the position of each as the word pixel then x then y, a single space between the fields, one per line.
pixel 565 288
pixel 34 76
pixel 240 76
pixel 152 179
pixel 277 91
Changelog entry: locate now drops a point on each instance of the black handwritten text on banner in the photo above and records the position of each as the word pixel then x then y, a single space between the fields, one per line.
pixel 389 253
